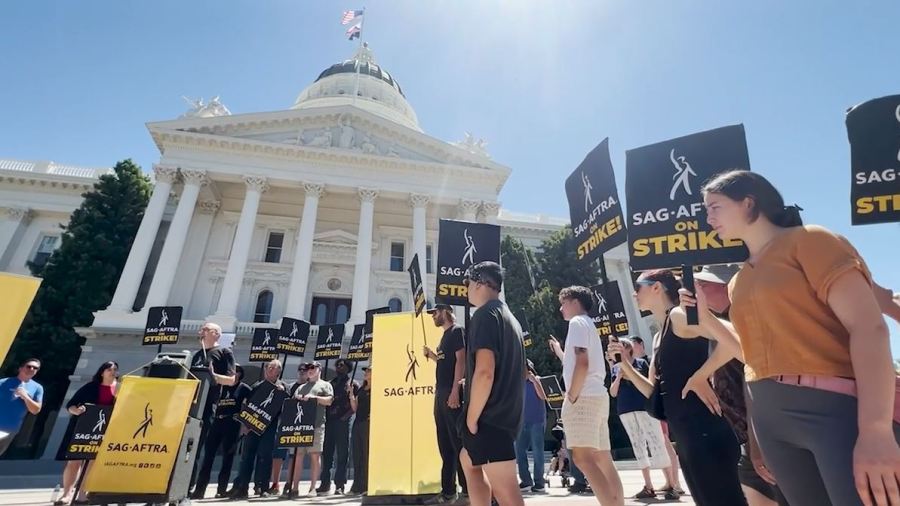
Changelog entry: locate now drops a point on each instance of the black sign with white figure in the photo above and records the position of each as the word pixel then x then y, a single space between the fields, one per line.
pixel 263 347
pixel 84 443
pixel 552 391
pixel 608 312
pixel 360 348
pixel 415 284
pixel 292 337
pixel 666 217
pixel 262 408
pixel 163 325
pixel 330 340
pixel 462 244
pixel 873 128
pixel 594 206
pixel 297 424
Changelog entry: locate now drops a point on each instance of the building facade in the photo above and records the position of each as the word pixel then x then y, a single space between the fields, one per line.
pixel 313 212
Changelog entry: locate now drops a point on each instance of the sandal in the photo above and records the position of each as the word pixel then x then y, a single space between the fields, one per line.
pixel 645 493
pixel 671 494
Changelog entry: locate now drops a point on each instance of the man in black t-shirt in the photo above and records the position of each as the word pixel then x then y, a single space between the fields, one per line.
pixel 451 367
pixel 218 361
pixel 223 433
pixel 337 431
pixel 494 397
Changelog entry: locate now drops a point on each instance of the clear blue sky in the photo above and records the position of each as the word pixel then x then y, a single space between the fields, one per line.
pixel 542 81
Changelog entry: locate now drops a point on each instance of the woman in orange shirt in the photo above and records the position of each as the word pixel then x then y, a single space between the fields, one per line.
pixel 816 349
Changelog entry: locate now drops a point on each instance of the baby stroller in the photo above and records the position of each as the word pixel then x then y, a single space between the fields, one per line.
pixel 560 461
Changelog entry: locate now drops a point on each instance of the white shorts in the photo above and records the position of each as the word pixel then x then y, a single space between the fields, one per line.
pixel 587 422
pixel 647 439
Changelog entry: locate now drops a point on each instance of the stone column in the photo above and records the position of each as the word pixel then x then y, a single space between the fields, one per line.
pixel 130 280
pixel 468 210
pixel 363 271
pixel 226 312
pixel 174 245
pixel 419 204
pixel 296 301
pixel 13 221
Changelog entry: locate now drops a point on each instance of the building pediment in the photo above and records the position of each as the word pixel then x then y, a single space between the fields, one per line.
pixel 336 237
pixel 339 131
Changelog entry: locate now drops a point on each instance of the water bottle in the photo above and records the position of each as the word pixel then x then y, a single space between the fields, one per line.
pixel 55 496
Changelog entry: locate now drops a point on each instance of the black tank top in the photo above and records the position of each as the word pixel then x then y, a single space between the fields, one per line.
pixel 676 361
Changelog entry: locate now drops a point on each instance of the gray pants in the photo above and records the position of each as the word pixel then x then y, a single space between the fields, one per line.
pixel 807 437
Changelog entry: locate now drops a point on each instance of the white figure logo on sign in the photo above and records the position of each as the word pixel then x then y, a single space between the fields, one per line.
pixel 683 172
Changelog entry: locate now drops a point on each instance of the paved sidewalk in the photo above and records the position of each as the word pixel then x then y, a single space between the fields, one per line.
pixel 631 479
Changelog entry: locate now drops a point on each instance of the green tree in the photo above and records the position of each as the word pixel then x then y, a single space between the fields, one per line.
pixel 80 277
pixel 558 266
pixel 517 263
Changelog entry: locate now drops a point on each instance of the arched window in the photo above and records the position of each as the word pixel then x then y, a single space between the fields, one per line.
pixel 263 312
pixel 396 305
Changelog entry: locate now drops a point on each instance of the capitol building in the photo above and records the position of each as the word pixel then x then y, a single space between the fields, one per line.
pixel 311 212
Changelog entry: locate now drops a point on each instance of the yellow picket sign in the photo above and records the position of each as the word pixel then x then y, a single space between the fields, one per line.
pixel 403 453
pixel 18 292
pixel 140 446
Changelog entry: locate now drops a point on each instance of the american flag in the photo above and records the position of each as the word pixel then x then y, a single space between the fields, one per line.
pixel 349 16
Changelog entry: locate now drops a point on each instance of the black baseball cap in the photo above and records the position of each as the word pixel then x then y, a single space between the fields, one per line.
pixel 310 365
pixel 438 307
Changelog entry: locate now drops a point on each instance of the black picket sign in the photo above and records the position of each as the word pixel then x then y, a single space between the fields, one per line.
pixel 462 244
pixel 292 337
pixel 262 408
pixel 608 312
pixel 415 284
pixel 873 128
pixel 263 346
pixel 667 220
pixel 87 435
pixel 360 348
pixel 552 391
pixel 329 342
pixel 594 206
pixel 297 424
pixel 527 340
pixel 163 325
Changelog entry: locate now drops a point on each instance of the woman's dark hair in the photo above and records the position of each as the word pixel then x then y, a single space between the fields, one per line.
pixel 109 364
pixel 738 185
pixel 239 372
pixel 669 282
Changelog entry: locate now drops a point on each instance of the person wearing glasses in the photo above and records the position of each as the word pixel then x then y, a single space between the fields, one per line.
pixel 493 395
pixel 19 395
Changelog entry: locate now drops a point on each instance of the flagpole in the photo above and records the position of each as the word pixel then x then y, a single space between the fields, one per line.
pixel 358 51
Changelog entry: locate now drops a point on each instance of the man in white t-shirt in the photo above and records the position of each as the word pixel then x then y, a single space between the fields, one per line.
pixel 585 411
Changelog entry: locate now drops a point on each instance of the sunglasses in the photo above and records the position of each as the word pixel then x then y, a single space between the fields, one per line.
pixel 477 279
pixel 643 282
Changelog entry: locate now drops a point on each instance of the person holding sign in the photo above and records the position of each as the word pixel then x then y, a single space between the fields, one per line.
pixel 101 390
pixel 19 395
pixel 815 347
pixel 451 367
pixel 585 411
pixel 361 401
pixel 258 448
pixel 495 366
pixel 707 447
pixel 322 392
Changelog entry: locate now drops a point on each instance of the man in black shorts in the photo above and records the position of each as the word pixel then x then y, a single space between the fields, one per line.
pixel 728 382
pixel 493 396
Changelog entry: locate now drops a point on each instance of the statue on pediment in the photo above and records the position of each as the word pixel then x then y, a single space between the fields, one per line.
pixel 346 139
pixel 198 109
pixel 473 145
pixel 321 139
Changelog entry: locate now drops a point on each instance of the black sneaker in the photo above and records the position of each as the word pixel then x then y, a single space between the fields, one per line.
pixel 323 489
pixel 339 490
pixel 524 486
pixel 578 488
pixel 538 490
pixel 442 499
pixel 239 495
